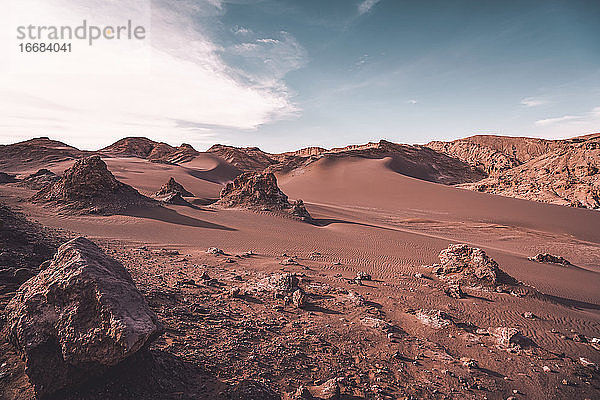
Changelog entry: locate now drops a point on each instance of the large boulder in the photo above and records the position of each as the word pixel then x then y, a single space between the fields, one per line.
pixel 89 187
pixel 462 263
pixel 78 317
pixel 550 259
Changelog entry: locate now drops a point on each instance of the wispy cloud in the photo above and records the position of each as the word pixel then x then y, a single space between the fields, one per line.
pixel 589 121
pixel 185 75
pixel 557 120
pixel 366 5
pixel 534 101
pixel 412 101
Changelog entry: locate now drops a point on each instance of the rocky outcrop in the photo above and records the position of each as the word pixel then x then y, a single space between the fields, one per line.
pixel 246 159
pixel 259 191
pixel 40 179
pixel 460 263
pixel 7 178
pixel 550 259
pixel 142 147
pixel 569 176
pixel 78 317
pixel 173 187
pixel 24 246
pixel 89 187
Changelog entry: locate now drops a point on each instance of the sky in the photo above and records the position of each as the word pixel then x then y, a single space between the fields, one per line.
pixel 286 74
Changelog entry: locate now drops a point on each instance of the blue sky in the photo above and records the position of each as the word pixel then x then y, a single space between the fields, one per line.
pixel 336 72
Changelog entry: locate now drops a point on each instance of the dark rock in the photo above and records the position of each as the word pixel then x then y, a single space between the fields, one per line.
pixel 255 191
pixel 173 187
pixel 550 259
pixel 78 317
pixel 454 291
pixel 7 178
pixel 299 210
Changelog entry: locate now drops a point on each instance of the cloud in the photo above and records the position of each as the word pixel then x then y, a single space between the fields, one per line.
pixel 533 101
pixel 366 6
pixel 557 120
pixel 569 125
pixel 184 75
pixel 412 101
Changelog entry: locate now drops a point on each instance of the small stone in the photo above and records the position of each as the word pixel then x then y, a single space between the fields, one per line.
pixel 546 368
pixel 215 251
pixel 363 276
pixel 299 298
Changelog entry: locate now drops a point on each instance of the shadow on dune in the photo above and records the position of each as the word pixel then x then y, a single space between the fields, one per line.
pixel 323 222
pixel 173 217
pixel 572 303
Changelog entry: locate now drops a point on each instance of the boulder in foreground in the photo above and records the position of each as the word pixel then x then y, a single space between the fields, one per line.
pixel 89 187
pixel 78 317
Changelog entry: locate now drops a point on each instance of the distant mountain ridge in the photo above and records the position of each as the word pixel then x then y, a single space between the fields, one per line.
pixel 561 172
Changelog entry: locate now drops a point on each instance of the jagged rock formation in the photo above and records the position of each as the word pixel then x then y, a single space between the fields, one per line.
pixel 40 179
pixel 569 176
pixel 142 147
pixel 89 187
pixel 173 187
pixel 494 154
pixel 78 317
pixel 460 263
pixel 246 159
pixel 550 259
pixel 254 190
pixel 36 152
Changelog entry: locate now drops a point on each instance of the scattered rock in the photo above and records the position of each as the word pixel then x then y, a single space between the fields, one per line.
pixel 302 393
pixel 289 261
pixel 586 363
pixel 550 259
pixel 78 317
pixel 528 315
pixel 215 250
pixel 462 263
pixel 282 282
pixel 510 338
pixel 363 276
pixel 469 362
pixel 454 291
pixel 546 368
pixel 434 318
pixel 329 390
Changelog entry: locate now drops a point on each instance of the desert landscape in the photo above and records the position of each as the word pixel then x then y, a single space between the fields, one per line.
pixel 467 269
